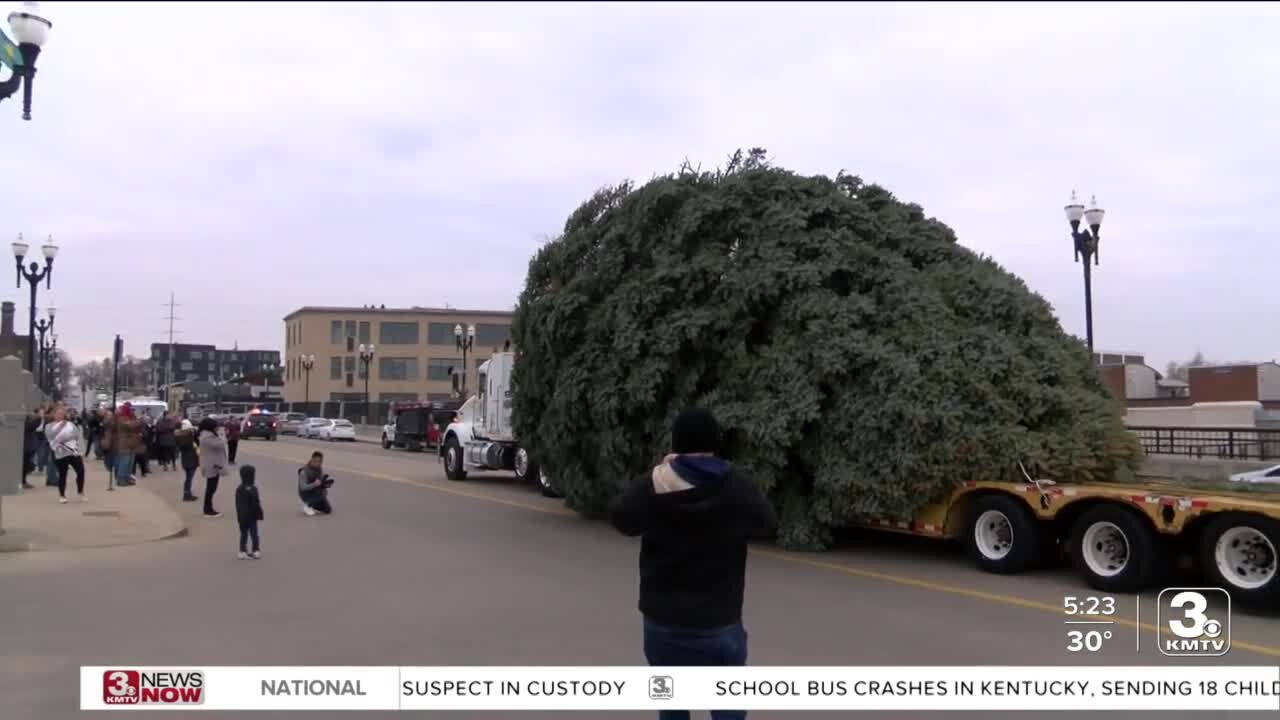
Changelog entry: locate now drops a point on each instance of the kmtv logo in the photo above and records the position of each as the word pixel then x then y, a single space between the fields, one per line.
pixel 1198 630
pixel 133 687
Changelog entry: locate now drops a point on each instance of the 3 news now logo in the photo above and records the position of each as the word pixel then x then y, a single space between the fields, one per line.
pixel 135 687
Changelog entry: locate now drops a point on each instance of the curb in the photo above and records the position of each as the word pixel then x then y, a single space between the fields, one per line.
pixel 17 541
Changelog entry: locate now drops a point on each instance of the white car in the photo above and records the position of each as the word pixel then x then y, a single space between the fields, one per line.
pixel 337 430
pixel 1265 475
pixel 310 427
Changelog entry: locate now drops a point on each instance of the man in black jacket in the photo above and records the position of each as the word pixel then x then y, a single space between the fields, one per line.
pixel 695 514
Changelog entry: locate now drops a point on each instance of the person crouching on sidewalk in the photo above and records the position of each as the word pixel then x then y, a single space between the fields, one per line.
pixel 313 486
pixel 248 512
pixel 695 513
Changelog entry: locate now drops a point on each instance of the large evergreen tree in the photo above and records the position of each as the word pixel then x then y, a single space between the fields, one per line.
pixel 860 359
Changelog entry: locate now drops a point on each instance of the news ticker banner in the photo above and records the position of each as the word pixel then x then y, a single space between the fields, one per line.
pixel 1201 687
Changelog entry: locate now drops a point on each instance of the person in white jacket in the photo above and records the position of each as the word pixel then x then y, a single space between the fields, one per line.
pixel 64 442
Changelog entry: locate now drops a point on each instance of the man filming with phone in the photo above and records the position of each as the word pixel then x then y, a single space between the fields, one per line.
pixel 313 486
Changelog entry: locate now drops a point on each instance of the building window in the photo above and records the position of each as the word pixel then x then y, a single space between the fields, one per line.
pixel 390 368
pixel 196 355
pixel 351 328
pixel 438 368
pixel 346 397
pixel 492 335
pixel 440 334
pixel 335 368
pixel 364 331
pixel 335 332
pixel 397 397
pixel 439 396
pixel 213 368
pixel 398 333
pixel 187 366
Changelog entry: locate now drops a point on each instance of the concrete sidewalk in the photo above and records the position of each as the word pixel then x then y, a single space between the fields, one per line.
pixel 35 520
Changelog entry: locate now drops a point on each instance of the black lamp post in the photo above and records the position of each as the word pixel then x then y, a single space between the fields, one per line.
pixel 31 30
pixel 42 327
pixel 366 359
pixel 465 342
pixel 1086 245
pixel 51 358
pixel 34 275
pixel 308 362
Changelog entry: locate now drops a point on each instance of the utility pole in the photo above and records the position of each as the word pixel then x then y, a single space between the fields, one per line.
pixel 168 372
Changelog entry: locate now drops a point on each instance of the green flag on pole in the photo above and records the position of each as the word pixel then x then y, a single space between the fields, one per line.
pixel 10 55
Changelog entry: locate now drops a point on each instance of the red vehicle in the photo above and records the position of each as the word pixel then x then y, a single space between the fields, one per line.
pixel 417 426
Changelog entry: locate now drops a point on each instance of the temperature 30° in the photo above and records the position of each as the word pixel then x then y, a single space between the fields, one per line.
pixel 1086 640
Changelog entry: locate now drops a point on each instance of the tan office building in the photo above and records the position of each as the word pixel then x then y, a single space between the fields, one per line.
pixel 414 348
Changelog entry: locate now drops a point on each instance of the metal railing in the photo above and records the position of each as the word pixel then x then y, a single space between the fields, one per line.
pixel 1211 443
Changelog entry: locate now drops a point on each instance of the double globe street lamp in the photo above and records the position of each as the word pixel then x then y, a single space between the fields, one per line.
pixel 366 359
pixel 31 30
pixel 1086 245
pixel 308 362
pixel 465 342
pixel 34 275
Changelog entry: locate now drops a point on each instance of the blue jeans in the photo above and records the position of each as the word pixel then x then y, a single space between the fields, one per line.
pixel 691 647
pixel 124 467
pixel 186 483
pixel 50 470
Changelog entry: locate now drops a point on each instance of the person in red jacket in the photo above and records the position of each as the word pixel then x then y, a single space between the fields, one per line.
pixel 233 439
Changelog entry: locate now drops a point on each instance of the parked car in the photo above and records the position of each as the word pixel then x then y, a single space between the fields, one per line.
pixel 309 428
pixel 260 425
pixel 291 423
pixel 337 430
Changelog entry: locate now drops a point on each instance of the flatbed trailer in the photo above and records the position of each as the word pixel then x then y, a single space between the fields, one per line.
pixel 1120 537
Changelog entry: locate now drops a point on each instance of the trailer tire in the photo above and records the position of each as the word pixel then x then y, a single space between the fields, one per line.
pixel 1004 537
pixel 453 465
pixel 1238 553
pixel 1114 550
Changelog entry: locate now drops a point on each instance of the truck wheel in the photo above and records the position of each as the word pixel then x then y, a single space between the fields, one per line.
pixel 386 444
pixel 1238 553
pixel 526 469
pixel 1114 550
pixel 546 487
pixel 1004 537
pixel 453 468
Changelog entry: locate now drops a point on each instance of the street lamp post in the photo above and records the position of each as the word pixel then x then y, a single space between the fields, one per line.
pixel 366 359
pixel 51 359
pixel 1086 247
pixel 308 362
pixel 464 343
pixel 42 327
pixel 31 30
pixel 34 275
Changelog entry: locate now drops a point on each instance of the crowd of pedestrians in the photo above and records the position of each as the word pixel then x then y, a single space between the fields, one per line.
pixel 58 439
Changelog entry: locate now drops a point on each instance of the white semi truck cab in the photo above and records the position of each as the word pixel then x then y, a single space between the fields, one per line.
pixel 482 439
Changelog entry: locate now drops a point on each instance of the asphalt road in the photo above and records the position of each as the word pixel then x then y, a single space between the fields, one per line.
pixel 415 570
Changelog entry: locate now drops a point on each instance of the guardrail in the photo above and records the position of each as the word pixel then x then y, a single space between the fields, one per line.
pixel 1212 443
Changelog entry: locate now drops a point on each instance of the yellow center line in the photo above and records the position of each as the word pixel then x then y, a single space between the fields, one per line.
pixel 836 567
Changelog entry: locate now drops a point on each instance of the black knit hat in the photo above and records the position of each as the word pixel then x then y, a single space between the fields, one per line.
pixel 695 431
pixel 248 474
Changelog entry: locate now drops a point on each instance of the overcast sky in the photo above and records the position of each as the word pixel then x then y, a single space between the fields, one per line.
pixel 254 159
